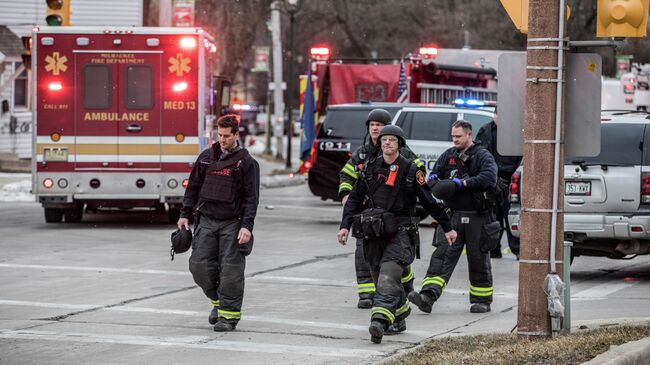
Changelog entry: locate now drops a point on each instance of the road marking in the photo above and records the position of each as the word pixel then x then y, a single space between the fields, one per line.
pixel 94 269
pixel 602 291
pixel 247 318
pixel 195 342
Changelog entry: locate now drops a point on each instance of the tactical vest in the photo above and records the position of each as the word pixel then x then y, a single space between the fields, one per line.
pixel 223 179
pixel 458 165
pixel 379 194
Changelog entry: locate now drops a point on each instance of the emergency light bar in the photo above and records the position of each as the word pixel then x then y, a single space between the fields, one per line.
pixel 428 52
pixel 468 102
pixel 322 53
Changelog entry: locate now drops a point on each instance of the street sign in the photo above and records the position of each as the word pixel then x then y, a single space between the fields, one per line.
pixel 261 59
pixel 518 12
pixel 581 106
pixel 183 13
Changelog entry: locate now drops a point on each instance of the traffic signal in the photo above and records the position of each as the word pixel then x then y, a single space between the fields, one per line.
pixel 27 52
pixel 58 12
pixel 622 18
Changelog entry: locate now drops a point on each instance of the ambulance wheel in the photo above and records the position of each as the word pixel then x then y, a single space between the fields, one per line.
pixel 53 215
pixel 73 215
pixel 173 214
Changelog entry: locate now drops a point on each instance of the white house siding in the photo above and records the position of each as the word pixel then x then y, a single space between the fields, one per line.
pixel 21 15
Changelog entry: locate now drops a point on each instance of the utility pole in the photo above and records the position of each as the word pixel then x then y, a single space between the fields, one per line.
pixel 278 100
pixel 543 191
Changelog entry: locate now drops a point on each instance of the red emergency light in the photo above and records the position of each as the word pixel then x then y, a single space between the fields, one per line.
pixel 428 51
pixel 321 53
pixel 188 42
pixel 179 86
pixel 55 86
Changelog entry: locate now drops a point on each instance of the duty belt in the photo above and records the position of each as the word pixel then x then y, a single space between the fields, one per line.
pixel 410 227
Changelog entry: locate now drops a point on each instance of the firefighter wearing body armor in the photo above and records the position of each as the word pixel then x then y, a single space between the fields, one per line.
pixel 223 194
pixel 473 171
pixel 376 120
pixel 381 210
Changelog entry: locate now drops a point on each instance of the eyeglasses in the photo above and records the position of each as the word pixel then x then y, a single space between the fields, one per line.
pixel 389 139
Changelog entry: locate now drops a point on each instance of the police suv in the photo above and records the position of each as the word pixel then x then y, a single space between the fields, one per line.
pixel 427 129
pixel 607 197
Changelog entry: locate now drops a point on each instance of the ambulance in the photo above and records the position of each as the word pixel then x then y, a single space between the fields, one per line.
pixel 120 115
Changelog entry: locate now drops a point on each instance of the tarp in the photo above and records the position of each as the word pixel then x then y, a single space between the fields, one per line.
pixel 351 83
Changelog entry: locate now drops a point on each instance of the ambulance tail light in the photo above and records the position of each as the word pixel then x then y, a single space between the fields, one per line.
pixel 48 183
pixel 186 182
pixel 179 86
pixel 188 42
pixel 55 86
pixel 515 187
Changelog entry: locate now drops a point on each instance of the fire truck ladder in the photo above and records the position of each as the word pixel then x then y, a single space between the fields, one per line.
pixel 445 94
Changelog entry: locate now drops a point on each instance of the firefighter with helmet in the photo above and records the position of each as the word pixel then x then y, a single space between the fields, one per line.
pixel 382 207
pixel 376 120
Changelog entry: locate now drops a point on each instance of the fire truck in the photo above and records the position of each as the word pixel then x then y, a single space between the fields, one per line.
pixel 120 115
pixel 422 78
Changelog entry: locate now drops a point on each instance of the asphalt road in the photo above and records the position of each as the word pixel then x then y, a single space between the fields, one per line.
pixel 105 292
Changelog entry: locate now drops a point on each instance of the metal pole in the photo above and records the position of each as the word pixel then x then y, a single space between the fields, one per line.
pixel 292 21
pixel 566 276
pixel 278 102
pixel 267 149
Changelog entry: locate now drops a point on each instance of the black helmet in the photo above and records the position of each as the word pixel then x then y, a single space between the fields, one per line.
pixel 379 115
pixel 393 130
pixel 442 189
pixel 181 241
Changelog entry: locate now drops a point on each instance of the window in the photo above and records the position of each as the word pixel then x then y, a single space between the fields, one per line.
pixel 620 143
pixel 97 87
pixel 432 126
pixel 348 123
pixel 20 88
pixel 477 121
pixel 139 87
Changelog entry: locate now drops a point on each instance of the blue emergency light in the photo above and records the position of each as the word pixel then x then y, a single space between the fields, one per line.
pixel 468 102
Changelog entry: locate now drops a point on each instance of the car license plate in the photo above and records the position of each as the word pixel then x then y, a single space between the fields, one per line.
pixel 335 146
pixel 577 188
pixel 55 154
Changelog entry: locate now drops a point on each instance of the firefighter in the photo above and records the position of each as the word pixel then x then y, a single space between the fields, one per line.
pixel 223 194
pixel 382 206
pixel 376 120
pixel 473 172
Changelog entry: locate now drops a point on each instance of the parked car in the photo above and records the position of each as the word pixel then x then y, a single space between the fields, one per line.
pixel 607 197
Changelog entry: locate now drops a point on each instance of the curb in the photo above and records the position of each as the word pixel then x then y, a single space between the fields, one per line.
pixel 630 353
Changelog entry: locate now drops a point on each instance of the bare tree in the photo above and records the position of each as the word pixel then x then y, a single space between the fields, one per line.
pixel 234 25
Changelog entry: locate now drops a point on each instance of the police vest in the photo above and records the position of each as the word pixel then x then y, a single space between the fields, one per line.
pixel 223 178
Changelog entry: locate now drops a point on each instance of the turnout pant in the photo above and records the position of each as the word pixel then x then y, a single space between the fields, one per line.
pixel 217 265
pixel 389 260
pixel 365 283
pixel 468 225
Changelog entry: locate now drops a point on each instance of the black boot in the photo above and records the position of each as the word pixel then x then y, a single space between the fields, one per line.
pixel 376 330
pixel 423 301
pixel 480 308
pixel 396 328
pixel 212 318
pixel 364 303
pixel 224 326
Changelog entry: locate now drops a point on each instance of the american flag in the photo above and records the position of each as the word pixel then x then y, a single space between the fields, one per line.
pixel 402 90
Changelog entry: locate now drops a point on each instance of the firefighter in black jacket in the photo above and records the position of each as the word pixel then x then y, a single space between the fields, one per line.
pixel 382 206
pixel 507 165
pixel 474 172
pixel 376 120
pixel 223 194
